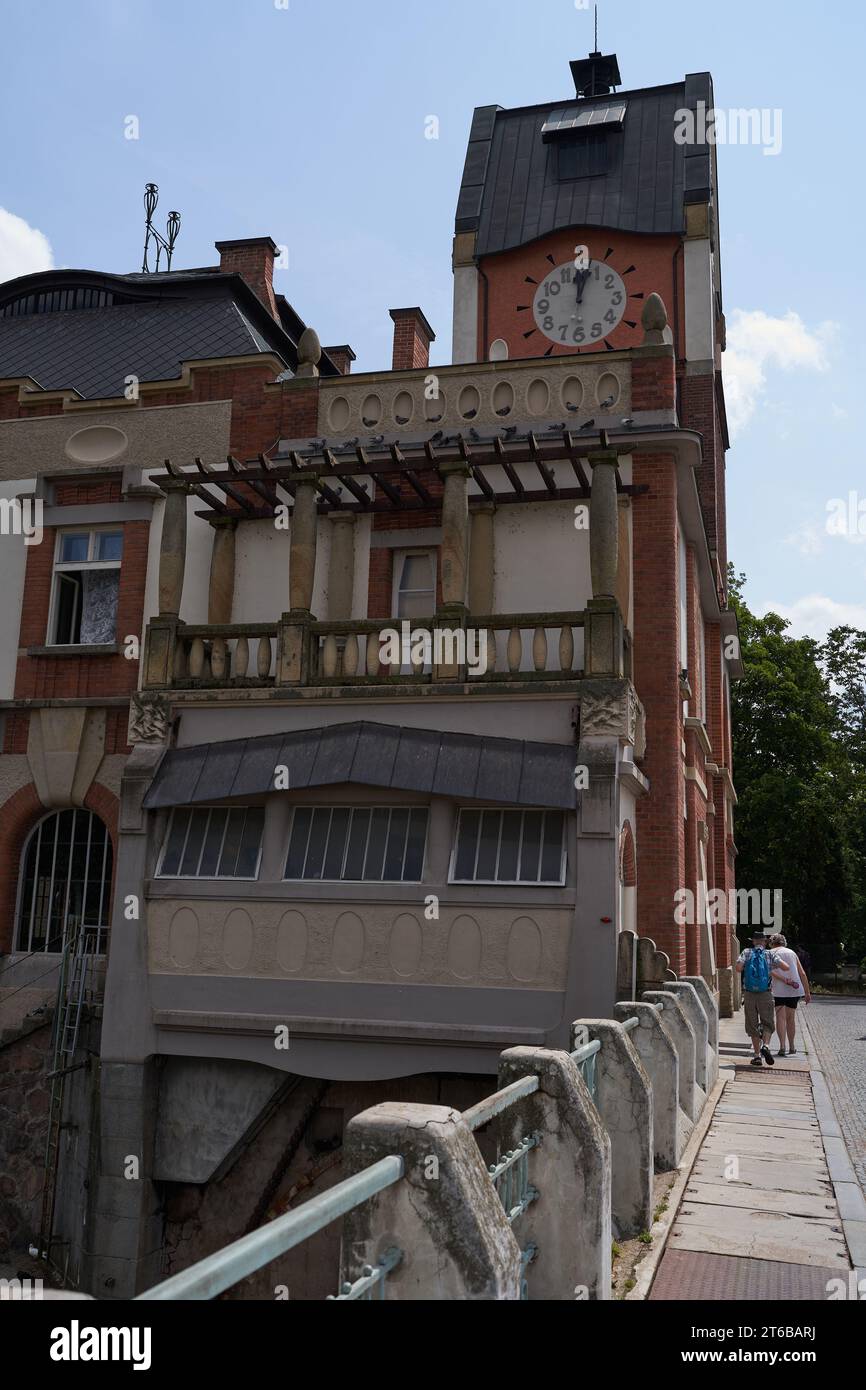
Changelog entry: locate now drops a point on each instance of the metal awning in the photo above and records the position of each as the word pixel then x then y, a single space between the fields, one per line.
pixel 508 771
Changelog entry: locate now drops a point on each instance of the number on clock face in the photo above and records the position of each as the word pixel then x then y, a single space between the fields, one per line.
pixel 575 307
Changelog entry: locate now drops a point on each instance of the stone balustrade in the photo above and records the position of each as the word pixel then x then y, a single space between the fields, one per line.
pixel 223 655
pixel 483 394
pixel 492 648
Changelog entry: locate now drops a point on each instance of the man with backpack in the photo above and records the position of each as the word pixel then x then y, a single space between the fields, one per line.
pixel 758 967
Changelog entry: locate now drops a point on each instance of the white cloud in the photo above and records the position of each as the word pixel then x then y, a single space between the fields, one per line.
pixel 23 249
pixel 757 342
pixel 815 615
pixel 808 539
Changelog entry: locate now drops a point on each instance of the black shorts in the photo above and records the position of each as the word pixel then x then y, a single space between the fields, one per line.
pixel 788 1003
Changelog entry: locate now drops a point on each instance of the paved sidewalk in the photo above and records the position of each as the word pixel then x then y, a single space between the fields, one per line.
pixel 771 1208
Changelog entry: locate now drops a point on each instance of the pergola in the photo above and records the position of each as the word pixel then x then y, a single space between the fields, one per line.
pixel 392 475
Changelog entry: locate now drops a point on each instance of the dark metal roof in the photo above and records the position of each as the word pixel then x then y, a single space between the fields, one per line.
pixel 92 351
pixel 427 761
pixel 511 195
pixel 149 325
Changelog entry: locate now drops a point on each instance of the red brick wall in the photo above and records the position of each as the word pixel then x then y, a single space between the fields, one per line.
pixel 87 492
pixel 699 410
pixel 655 269
pixel 53 677
pixel 20 813
pixel 411 344
pixel 660 829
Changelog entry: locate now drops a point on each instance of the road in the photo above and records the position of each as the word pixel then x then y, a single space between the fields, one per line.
pixel 837 1025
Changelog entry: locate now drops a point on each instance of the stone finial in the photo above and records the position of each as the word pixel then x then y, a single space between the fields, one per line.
pixel 654 319
pixel 309 353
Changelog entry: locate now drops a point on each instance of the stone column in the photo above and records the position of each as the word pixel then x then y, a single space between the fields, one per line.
pixel 694 1011
pixel 302 544
pixel 603 630
pixel 682 1035
pixel 172 549
pixel 481 560
pixel 222 572
pixel 293 640
pixel 443 1214
pixel 660 1062
pixel 710 1006
pixel 623 573
pixel 603 524
pixel 451 615
pixel 341 567
pixel 455 534
pixel 624 1100
pixel 571 1168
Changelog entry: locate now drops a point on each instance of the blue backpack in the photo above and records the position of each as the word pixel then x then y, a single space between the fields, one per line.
pixel 756 972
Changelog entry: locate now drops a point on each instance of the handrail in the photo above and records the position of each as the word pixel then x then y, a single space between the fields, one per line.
pixel 583 1054
pixel 220 1271
pixel 491 1106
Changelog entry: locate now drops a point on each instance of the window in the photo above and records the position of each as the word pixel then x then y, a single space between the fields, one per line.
pixel 65 882
pixel 86 588
pixel 586 157
pixel 213 842
pixel 414 583
pixel 509 847
pixel 360 844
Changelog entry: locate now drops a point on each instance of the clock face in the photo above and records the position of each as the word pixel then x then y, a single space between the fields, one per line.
pixel 577 307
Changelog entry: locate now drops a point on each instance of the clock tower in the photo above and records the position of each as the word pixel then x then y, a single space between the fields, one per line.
pixel 571 214
pixel 573 217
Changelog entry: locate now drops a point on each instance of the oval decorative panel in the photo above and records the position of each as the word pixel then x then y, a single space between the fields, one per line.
pixel 347 949
pixel 523 956
pixel 464 948
pixel 237 939
pixel 183 938
pixel 406 945
pixel 292 942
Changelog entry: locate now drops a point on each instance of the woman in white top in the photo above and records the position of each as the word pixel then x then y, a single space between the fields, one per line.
pixel 787 994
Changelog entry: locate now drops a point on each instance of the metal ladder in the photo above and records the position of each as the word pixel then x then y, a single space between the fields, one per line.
pixel 78 955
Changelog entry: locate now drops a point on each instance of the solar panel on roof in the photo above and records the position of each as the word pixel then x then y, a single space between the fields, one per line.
pixel 571 120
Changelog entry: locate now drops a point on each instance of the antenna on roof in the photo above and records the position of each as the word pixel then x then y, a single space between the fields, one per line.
pixel 595 7
pixel 162 243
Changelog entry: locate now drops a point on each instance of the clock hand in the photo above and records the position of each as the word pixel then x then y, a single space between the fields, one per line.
pixel 581 277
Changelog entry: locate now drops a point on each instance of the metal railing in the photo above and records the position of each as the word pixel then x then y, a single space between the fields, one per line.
pixel 510 1176
pixel 212 1276
pixel 510 1173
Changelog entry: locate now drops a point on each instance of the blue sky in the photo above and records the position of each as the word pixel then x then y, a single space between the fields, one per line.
pixel 306 121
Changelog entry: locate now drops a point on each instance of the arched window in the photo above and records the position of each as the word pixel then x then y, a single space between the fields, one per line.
pixel 627 880
pixel 65 882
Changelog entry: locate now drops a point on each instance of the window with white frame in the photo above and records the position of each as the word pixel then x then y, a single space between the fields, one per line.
pixel 213 842
pixel 493 846
pixel 414 583
pixel 86 588
pixel 357 844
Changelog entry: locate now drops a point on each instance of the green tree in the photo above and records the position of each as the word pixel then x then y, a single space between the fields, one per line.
pixel 797 722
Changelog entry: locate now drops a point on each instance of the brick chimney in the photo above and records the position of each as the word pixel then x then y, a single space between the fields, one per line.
pixel 342 357
pixel 253 259
pixel 412 338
